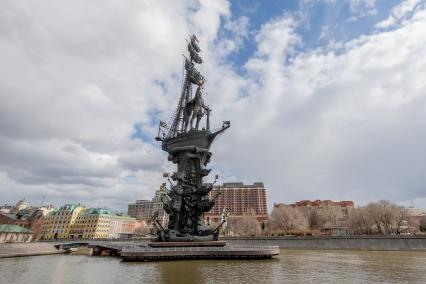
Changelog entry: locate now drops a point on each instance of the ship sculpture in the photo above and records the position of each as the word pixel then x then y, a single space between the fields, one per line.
pixel 187 141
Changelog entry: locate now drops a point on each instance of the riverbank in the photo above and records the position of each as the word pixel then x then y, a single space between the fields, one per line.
pixel 28 249
pixel 391 243
pixel 378 243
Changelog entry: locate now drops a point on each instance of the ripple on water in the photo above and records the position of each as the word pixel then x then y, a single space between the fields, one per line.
pixel 292 266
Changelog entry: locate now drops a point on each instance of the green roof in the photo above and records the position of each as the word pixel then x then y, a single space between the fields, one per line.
pixel 123 217
pixel 66 207
pixel 6 228
pixel 97 211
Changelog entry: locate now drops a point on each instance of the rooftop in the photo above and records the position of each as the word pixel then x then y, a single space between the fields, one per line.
pixel 6 228
pixel 241 184
pixel 97 211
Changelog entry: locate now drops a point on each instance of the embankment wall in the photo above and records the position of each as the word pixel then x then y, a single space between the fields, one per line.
pixel 353 242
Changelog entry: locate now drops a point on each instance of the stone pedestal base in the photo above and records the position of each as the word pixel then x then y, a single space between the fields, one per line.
pixel 150 253
pixel 187 244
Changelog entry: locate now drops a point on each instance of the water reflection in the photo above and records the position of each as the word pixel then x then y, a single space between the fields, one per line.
pixel 293 266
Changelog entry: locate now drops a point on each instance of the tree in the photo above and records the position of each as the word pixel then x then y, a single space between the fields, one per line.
pixel 331 214
pixel 244 226
pixel 315 219
pixel 285 218
pixel 380 217
pixel 359 221
pixel 422 224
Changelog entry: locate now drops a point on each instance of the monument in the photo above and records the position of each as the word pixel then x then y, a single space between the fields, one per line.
pixel 188 147
pixel 187 141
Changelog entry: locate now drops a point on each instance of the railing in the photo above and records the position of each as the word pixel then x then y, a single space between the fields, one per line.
pixel 91 239
pixel 225 248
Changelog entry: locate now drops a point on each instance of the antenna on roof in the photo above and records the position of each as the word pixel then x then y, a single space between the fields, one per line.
pixel 42 201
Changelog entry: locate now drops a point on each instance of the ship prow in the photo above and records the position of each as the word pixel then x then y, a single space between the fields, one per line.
pixel 197 140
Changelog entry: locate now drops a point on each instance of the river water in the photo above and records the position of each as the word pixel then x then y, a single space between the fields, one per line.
pixel 292 266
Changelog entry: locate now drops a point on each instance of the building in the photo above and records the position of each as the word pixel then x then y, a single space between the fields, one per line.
pixel 342 207
pixel 77 222
pixel 122 225
pixel 6 208
pixel 22 204
pixel 143 210
pixel 93 223
pixel 100 223
pixel 47 209
pixel 339 210
pixel 60 222
pixel 30 218
pixel 415 212
pixel 14 234
pixel 240 200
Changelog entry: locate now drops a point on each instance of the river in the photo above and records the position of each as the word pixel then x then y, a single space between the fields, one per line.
pixel 292 266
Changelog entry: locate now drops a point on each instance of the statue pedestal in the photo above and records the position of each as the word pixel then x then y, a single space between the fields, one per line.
pixel 187 244
pixel 193 250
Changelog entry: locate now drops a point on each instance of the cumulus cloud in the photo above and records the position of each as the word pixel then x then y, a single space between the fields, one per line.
pixel 77 79
pixel 400 12
pixel 84 84
pixel 333 123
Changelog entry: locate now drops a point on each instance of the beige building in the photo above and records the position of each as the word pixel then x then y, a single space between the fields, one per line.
pixel 240 200
pixel 47 209
pixel 339 208
pixel 14 234
pixel 143 210
pixel 6 208
pixel 93 223
pixel 76 222
pixel 99 223
pixel 121 225
pixel 60 223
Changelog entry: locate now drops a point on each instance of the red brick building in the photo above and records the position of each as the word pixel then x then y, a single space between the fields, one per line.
pixel 239 199
pixel 343 206
pixel 26 218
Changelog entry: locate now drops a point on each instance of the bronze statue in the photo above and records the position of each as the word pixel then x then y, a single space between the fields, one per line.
pixel 197 107
pixel 187 199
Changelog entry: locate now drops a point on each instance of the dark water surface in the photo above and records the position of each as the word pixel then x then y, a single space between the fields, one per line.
pixel 292 266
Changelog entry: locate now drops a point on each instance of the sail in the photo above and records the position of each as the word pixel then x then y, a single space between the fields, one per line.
pixel 192 77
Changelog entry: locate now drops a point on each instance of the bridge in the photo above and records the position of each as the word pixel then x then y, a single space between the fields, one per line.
pixel 100 247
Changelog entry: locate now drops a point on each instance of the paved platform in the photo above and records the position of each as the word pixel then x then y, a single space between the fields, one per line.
pixel 196 252
pixel 28 249
pixel 187 244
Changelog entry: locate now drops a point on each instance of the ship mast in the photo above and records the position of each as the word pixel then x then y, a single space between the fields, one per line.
pixel 192 77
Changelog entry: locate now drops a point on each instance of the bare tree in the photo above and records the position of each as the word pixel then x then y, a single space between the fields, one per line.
pixel 244 226
pixel 315 219
pixel 285 218
pixel 359 221
pixel 380 217
pixel 331 213
pixel 422 224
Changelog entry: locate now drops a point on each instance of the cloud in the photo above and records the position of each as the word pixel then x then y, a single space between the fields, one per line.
pixel 400 12
pixel 84 84
pixel 361 8
pixel 76 80
pixel 334 124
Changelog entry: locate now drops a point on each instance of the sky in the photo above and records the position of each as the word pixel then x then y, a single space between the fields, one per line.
pixel 326 98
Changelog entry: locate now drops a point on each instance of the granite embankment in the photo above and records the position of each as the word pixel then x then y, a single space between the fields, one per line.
pixel 287 242
pixel 28 249
pixel 328 242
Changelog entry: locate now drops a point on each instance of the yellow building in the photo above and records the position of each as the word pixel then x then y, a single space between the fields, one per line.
pixel 93 223
pixel 60 223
